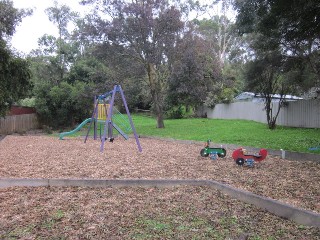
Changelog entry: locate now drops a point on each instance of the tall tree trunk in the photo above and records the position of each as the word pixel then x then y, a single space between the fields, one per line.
pixel 271 117
pixel 155 89
pixel 60 55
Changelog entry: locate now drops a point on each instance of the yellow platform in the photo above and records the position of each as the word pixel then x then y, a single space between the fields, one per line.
pixel 102 111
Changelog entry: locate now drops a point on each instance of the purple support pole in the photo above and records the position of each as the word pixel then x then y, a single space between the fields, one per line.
pixel 108 124
pixel 130 119
pixel 106 111
pixel 92 119
pixel 95 119
pixel 108 120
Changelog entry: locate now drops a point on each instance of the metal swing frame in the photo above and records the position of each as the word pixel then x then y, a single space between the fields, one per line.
pixel 109 124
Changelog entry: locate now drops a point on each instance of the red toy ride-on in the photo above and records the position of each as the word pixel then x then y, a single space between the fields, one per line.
pixel 242 158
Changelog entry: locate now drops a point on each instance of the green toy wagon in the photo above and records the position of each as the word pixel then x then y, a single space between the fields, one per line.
pixel 213 151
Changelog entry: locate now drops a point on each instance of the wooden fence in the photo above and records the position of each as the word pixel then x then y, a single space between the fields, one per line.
pixel 18 123
pixel 303 113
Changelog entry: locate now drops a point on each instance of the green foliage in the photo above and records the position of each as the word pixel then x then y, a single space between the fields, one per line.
pixel 291 26
pixel 175 113
pixel 44 68
pixel 233 76
pixel 14 71
pixel 61 15
pixel 14 78
pixel 64 104
pixel 195 72
pixel 219 94
pixel 227 95
pixel 137 95
pixel 88 69
pixel 27 102
pixel 64 81
pixel 10 17
pixel 211 100
pixel 273 70
pixel 201 72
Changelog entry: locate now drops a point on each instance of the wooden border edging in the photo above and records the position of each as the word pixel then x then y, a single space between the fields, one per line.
pixel 23 182
pixel 297 215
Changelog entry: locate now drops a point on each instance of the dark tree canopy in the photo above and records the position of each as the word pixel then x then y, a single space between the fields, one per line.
pixel 296 22
pixel 294 26
pixel 14 78
pixel 10 17
pixel 195 71
pixel 14 71
pixel 286 44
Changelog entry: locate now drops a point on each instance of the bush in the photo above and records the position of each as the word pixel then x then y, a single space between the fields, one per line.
pixel 175 113
pixel 63 105
pixel 27 102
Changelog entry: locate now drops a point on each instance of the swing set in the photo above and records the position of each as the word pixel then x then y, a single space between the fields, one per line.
pixel 107 111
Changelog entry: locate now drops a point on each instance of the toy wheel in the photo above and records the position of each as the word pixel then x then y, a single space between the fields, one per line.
pixel 203 153
pixel 240 161
pixel 223 154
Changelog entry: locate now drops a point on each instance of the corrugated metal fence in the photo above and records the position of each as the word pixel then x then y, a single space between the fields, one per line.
pixel 18 123
pixel 303 113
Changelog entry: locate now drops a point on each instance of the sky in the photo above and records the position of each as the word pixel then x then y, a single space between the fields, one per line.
pixel 33 27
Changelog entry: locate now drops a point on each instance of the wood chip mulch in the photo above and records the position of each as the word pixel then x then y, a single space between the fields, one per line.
pixel 292 182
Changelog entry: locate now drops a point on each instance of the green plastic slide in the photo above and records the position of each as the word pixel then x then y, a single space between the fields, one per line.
pixel 75 130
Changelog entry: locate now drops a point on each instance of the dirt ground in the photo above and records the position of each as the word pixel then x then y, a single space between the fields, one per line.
pixel 292 182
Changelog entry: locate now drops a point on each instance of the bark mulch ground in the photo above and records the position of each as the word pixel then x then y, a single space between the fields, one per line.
pixel 146 213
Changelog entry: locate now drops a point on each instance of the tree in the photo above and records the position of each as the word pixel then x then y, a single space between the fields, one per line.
pixel 221 34
pixel 10 17
pixel 55 55
pixel 61 16
pixel 195 72
pixel 285 41
pixel 223 42
pixel 148 31
pixel 265 77
pixel 121 70
pixel 229 48
pixel 294 26
pixel 45 65
pixel 63 80
pixel 14 71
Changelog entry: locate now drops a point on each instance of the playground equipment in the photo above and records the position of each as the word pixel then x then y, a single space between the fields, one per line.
pixel 81 125
pixel 105 113
pixel 109 123
pixel 213 152
pixel 62 135
pixel 314 148
pixel 242 158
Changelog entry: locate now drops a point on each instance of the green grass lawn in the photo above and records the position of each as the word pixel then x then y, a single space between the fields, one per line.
pixel 240 132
